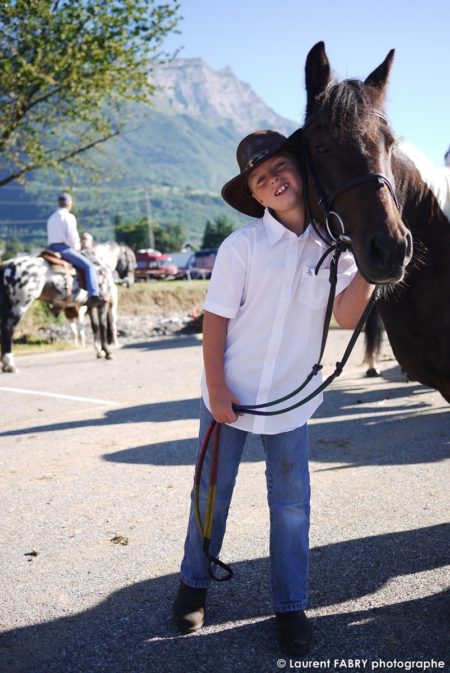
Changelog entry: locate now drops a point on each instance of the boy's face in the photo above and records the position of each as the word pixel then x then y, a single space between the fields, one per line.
pixel 277 184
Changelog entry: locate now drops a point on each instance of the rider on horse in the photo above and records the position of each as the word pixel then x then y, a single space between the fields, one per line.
pixel 63 237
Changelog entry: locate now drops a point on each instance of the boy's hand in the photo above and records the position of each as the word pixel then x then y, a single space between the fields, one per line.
pixel 221 402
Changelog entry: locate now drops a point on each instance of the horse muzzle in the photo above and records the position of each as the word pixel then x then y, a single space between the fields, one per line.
pixel 384 259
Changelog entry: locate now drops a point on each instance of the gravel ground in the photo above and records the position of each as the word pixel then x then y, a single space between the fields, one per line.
pixel 96 463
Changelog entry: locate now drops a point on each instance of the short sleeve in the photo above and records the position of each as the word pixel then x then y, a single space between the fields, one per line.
pixel 346 271
pixel 227 285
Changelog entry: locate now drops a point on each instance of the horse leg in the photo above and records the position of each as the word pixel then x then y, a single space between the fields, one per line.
pixel 9 321
pixel 95 324
pixel 373 336
pixel 103 319
pixel 112 316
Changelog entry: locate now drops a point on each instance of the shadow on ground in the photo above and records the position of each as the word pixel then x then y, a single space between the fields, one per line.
pixel 165 343
pixel 132 631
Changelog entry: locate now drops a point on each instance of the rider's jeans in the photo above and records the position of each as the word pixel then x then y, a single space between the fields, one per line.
pixel 81 262
pixel 288 491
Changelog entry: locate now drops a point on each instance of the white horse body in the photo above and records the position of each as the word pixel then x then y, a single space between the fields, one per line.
pixel 108 255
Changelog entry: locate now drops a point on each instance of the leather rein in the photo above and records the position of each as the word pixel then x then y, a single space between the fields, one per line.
pixel 337 244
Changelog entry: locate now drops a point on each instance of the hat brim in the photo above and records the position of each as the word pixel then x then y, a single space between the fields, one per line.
pixel 236 193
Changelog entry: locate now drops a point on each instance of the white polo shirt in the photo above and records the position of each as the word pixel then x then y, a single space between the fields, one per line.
pixel 62 228
pixel 264 281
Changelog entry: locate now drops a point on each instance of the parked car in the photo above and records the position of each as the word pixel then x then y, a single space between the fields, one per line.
pixel 199 265
pixel 154 265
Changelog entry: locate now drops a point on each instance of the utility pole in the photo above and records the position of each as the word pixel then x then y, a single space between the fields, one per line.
pixel 151 233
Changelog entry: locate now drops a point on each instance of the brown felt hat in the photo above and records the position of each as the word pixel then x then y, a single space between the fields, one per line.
pixel 252 151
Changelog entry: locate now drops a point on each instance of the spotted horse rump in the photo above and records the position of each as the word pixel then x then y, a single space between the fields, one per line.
pixel 26 278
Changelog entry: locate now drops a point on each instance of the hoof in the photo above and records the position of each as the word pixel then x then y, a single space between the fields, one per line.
pixel 100 355
pixel 372 373
pixel 109 356
pixel 8 364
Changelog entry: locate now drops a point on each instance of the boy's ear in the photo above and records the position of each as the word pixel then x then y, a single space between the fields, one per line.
pixel 317 74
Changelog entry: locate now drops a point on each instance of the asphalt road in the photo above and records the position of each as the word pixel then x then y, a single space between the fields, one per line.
pixel 96 468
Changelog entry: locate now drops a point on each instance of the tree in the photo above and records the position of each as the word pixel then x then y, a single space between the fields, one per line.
pixel 134 234
pixel 169 238
pixel 215 232
pixel 66 69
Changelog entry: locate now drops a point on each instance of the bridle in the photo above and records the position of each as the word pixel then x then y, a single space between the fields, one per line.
pixel 326 202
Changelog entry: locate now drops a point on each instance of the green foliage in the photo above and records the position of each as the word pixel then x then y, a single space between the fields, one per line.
pixel 138 235
pixel 11 248
pixel 169 238
pixel 66 69
pixel 217 231
pixel 134 234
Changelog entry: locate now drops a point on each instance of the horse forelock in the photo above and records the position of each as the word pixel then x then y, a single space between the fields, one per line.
pixel 348 107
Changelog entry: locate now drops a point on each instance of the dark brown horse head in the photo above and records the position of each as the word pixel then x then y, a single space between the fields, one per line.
pixel 347 144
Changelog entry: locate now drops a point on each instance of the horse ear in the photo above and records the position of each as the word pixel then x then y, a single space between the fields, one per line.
pixel 317 74
pixel 379 76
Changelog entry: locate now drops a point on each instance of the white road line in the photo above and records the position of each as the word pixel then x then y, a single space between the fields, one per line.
pixel 24 391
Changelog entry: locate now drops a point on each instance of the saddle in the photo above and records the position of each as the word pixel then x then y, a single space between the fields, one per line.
pixel 62 266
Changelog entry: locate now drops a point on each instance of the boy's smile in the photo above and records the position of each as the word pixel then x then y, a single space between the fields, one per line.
pixel 276 184
pixel 281 189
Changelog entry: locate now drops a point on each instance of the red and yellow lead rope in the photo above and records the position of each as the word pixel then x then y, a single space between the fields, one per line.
pixel 206 527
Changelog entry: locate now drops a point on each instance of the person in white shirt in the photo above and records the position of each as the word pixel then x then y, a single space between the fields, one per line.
pixel 264 315
pixel 63 237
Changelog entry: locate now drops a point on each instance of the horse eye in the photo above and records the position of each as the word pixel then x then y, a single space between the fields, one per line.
pixel 320 148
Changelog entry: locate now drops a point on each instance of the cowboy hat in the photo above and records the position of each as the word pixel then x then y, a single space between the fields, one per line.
pixel 252 151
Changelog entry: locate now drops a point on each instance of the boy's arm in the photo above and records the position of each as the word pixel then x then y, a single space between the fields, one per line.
pixel 351 302
pixel 221 398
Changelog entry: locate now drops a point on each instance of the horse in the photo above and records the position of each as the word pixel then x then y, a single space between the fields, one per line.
pixel 438 180
pixel 121 260
pixel 26 277
pixel 362 188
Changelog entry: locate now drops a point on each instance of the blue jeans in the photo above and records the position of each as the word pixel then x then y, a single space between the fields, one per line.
pixel 288 493
pixel 80 262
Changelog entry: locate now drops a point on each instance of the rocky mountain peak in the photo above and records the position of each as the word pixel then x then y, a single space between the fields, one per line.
pixel 190 86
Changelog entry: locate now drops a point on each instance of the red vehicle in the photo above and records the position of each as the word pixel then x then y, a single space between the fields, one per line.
pixel 152 264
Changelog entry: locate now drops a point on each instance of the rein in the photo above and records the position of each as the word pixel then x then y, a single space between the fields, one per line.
pixel 205 527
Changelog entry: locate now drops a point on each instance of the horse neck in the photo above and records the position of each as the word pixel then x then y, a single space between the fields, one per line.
pixel 424 189
pixel 108 253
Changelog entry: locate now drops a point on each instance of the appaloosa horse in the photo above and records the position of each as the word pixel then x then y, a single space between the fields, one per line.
pixel 360 182
pixel 26 278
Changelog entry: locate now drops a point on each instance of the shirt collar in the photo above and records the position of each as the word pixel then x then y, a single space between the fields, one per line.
pixel 275 230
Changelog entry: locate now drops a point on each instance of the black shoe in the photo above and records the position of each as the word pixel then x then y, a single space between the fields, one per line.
pixel 189 608
pixel 294 632
pixel 93 301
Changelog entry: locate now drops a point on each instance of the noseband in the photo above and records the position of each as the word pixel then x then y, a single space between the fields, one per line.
pixel 325 202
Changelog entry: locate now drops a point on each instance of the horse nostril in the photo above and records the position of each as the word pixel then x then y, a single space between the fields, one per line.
pixel 378 252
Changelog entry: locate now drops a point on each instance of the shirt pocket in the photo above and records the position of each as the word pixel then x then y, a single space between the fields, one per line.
pixel 314 289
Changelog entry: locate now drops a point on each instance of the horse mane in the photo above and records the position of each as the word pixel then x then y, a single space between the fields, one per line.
pixel 348 106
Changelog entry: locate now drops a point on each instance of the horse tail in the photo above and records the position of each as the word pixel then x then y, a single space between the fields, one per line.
pixel 373 338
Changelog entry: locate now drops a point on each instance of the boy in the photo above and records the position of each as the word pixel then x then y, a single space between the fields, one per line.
pixel 264 315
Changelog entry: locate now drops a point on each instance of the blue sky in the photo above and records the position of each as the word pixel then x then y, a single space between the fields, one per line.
pixel 265 42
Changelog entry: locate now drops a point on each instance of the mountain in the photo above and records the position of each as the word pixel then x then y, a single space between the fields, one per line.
pixel 170 163
pixel 189 86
